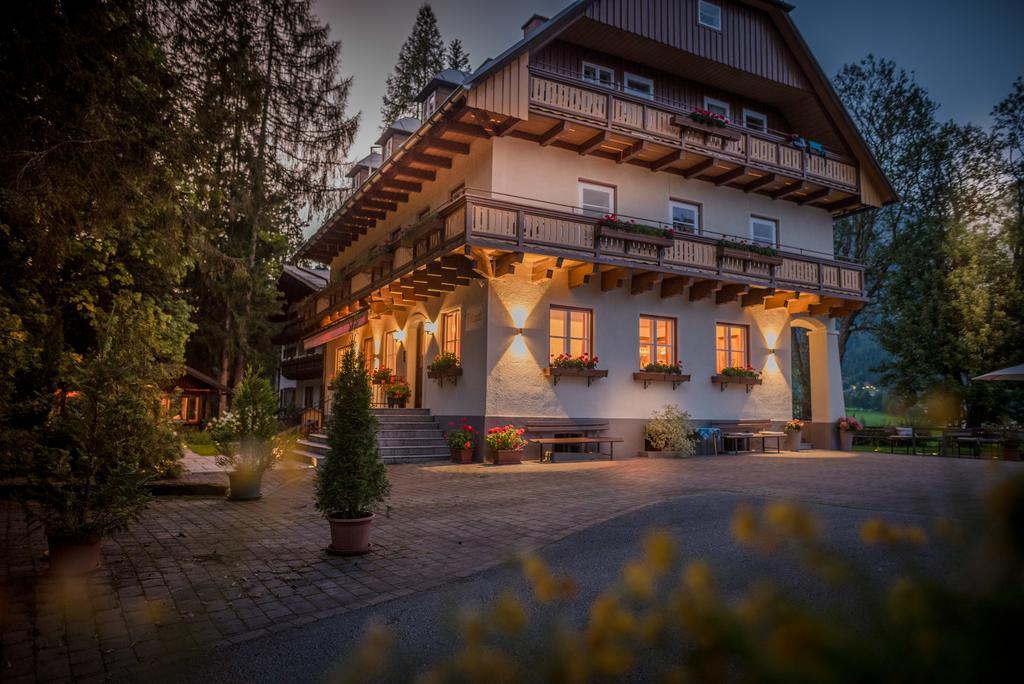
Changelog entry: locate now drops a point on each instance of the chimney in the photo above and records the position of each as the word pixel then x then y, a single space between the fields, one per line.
pixel 532 24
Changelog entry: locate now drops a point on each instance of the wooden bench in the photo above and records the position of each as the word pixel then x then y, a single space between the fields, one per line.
pixel 569 431
pixel 745 430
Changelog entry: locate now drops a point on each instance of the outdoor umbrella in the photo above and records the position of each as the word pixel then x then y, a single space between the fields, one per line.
pixel 1011 373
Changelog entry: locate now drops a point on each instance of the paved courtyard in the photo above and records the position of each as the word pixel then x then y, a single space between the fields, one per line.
pixel 202 573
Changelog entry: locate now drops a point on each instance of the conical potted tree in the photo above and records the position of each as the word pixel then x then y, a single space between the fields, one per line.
pixel 246 435
pixel 352 480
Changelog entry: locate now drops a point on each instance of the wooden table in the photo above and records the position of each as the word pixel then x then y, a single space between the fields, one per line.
pixel 765 435
pixel 610 441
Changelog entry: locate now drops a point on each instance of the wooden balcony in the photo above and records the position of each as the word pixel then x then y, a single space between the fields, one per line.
pixel 647 132
pixel 305 367
pixel 479 235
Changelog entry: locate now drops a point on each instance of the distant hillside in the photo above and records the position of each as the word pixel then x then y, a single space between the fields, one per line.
pixel 863 355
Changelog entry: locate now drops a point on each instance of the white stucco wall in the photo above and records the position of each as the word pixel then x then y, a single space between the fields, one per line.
pixel 517 386
pixel 525 169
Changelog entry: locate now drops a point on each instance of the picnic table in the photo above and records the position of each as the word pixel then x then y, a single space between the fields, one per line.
pixel 549 456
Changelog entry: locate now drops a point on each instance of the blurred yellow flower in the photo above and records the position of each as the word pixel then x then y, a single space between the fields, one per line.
pixel 659 550
pixel 638 580
pixel 509 614
pixel 873 531
pixel 744 524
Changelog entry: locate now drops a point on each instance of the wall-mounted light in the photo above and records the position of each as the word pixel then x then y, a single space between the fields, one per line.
pixel 430 327
pixel 771 351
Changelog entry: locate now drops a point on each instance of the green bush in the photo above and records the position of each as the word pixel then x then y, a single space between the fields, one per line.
pixel 352 479
pixel 245 435
pixel 671 430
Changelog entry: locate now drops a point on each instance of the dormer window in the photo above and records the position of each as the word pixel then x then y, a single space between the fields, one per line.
pixel 755 121
pixel 638 85
pixel 598 75
pixel 389 145
pixel 719 107
pixel 709 14
pixel 431 103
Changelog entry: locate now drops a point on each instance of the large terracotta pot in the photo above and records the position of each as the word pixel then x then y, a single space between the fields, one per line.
pixel 462 455
pixel 72 557
pixel 846 440
pixel 793 440
pixel 245 485
pixel 506 457
pixel 349 536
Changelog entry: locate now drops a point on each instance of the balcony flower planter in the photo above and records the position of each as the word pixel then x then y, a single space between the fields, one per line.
pixel 590 374
pixel 451 374
pixel 749 255
pixel 647 378
pixel 720 131
pixel 724 380
pixel 660 241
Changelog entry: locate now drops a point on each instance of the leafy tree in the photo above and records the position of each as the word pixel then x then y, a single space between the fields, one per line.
pixel 267 125
pixel 421 56
pixel 352 480
pixel 457 57
pixel 91 194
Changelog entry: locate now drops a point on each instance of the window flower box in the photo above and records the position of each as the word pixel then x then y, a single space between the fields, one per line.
pixel 628 231
pixel 723 381
pixel 647 377
pixel 745 252
pixel 703 127
pixel 452 374
pixel 557 372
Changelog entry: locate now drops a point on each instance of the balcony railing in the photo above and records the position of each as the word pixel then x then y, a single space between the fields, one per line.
pixel 303 367
pixel 566 95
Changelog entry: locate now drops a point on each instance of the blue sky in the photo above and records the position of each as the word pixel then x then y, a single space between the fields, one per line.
pixel 966 54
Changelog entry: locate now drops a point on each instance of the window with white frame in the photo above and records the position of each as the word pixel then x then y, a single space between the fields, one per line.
pixel 764 230
pixel 709 14
pixel 731 348
pixel 716 106
pixel 451 332
pixel 657 341
pixel 599 75
pixel 684 216
pixel 596 200
pixel 755 120
pixel 570 331
pixel 638 85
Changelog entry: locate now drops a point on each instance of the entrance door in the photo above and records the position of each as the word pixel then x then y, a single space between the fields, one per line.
pixel 420 342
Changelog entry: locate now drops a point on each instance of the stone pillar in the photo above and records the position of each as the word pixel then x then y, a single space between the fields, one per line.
pixel 827 404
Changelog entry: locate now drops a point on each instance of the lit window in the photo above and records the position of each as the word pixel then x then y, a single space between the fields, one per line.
pixel 368 354
pixel 730 346
pixel 570 332
pixel 755 120
pixel 657 341
pixel 715 106
pixel 598 75
pixel 638 85
pixel 339 356
pixel 596 200
pixel 764 230
pixel 390 351
pixel 684 216
pixel 451 332
pixel 709 14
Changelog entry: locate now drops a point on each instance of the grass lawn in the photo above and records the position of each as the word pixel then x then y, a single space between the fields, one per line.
pixel 204 449
pixel 200 443
pixel 871 418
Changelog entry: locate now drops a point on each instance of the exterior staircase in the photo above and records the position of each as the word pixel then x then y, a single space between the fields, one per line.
pixel 405 436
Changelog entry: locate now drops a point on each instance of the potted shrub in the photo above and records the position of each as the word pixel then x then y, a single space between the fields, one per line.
pixel 506 445
pixel 88 465
pixel 381 376
pixel 794 430
pixel 461 441
pixel 398 393
pixel 847 426
pixel 352 480
pixel 445 365
pixel 670 433
pixel 246 435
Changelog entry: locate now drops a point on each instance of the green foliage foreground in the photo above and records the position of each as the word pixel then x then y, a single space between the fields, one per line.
pixel 666 620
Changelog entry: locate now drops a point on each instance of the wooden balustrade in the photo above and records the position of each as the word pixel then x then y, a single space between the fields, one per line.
pixel 569 96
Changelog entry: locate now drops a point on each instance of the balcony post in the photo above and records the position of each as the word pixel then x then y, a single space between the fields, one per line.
pixel 520 227
pixel 468 218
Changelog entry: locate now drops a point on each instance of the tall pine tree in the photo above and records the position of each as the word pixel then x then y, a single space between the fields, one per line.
pixel 421 56
pixel 269 131
pixel 457 57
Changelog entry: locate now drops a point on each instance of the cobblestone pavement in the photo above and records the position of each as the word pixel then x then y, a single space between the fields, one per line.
pixel 199 573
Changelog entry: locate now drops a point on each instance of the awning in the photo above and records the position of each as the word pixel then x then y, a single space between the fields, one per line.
pixel 343 326
pixel 1013 373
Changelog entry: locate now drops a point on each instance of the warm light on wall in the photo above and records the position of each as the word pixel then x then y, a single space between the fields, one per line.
pixel 400 336
pixel 430 327
pixel 518 313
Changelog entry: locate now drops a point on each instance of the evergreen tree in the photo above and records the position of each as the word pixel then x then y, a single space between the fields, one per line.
pixel 457 57
pixel 421 56
pixel 352 480
pixel 266 113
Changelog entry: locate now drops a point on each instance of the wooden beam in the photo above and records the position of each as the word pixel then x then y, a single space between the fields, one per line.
pixel 391 196
pixel 730 175
pixel 580 275
pixel 506 263
pixel 431 160
pixel 544 269
pixel 507 126
pixel 843 203
pixel 612 278
pixel 778 300
pixel 814 196
pixel 593 143
pixel 369 213
pixel 788 189
pixel 643 281
pixel 802 303
pixel 698 168
pixel 482 264
pixel 632 151
pixel 755 296
pixel 452 146
pixel 421 174
pixel 379 204
pixel 730 293
pixel 668 160
pixel 758 182
pixel 674 285
pixel 389 182
pixel 703 289
pixel 471 130
pixel 551 135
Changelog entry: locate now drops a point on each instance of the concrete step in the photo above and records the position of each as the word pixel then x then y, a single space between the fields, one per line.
pixel 408 434
pixel 401 412
pixel 305 457
pixel 418 458
pixel 411 419
pixel 404 436
pixel 434 440
pixel 413 450
pixel 408 426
